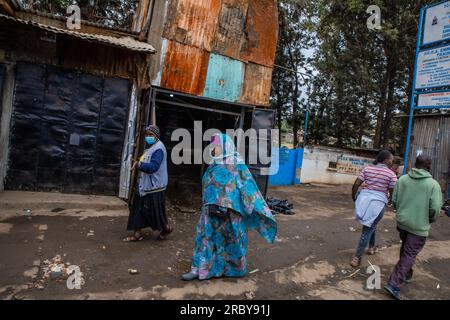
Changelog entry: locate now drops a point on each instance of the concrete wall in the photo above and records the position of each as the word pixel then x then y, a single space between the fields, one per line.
pixel 7 102
pixel 316 161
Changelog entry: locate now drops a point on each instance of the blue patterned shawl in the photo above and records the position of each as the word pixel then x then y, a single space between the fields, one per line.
pixel 229 183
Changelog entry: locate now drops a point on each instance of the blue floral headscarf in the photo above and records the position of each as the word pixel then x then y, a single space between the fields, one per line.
pixel 229 183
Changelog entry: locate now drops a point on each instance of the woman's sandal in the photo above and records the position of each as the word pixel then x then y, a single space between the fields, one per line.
pixel 165 233
pixel 356 262
pixel 133 238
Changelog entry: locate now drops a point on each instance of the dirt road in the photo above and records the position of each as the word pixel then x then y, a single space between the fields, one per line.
pixel 309 259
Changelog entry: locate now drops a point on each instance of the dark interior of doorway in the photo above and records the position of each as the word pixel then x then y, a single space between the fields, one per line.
pixel 185 179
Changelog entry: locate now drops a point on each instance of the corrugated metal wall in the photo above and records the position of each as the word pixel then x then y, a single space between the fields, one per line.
pixel 184 68
pixel 225 78
pixel 432 137
pixel 222 49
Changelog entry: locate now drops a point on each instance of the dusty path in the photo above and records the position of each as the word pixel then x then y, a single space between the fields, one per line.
pixel 309 259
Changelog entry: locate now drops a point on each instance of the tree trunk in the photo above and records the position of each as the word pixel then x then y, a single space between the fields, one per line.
pixel 392 69
pixel 295 112
pixel 380 115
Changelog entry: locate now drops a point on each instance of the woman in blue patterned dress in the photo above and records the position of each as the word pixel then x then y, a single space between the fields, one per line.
pixel 232 204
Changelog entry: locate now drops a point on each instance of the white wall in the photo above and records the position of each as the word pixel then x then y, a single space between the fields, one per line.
pixel 315 166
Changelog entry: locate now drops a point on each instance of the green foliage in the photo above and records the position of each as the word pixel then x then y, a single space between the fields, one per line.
pixel 362 77
pixel 112 13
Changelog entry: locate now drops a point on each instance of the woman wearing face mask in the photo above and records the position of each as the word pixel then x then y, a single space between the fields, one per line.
pixel 232 204
pixel 148 206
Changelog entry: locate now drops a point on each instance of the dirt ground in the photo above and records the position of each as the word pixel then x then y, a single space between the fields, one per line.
pixel 309 259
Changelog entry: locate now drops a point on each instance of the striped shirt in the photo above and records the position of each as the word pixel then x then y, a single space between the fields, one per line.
pixel 378 178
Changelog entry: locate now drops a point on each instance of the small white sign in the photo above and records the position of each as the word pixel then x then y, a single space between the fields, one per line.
pixel 433 68
pixel 437 23
pixel 436 99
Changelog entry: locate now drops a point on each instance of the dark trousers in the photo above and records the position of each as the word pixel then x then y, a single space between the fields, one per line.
pixel 411 247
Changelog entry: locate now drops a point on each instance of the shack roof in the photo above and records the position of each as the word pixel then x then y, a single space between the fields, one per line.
pixel 121 42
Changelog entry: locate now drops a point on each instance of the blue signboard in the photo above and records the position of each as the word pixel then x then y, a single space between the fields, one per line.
pixel 437 23
pixel 433 68
pixel 432 64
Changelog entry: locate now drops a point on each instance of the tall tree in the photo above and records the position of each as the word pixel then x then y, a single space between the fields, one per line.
pixel 293 67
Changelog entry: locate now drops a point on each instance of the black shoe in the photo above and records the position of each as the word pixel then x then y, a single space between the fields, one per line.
pixel 394 292
pixel 189 276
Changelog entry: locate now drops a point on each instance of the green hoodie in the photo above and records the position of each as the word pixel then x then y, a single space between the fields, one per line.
pixel 418 200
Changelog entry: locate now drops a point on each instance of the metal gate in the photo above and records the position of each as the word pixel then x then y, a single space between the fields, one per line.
pixel 432 137
pixel 67 131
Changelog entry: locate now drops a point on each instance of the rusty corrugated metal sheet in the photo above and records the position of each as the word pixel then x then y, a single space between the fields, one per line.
pixel 262 32
pixel 225 78
pixel 432 137
pixel 229 36
pixel 257 85
pixel 192 22
pixel 184 68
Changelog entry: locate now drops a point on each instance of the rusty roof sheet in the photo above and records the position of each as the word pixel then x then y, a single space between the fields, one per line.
pixel 229 36
pixel 84 22
pixel 184 68
pixel 192 22
pixel 261 32
pixel 123 42
pixel 257 85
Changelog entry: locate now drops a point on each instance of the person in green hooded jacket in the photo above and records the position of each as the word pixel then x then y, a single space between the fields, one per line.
pixel 417 199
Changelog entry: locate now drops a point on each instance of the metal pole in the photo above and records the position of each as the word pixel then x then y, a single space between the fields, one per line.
pixel 413 94
pixel 305 136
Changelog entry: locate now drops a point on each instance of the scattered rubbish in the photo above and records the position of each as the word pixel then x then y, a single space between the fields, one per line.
pixel 374 270
pixel 185 209
pixel 344 271
pixel 91 233
pixel 447 210
pixel 133 271
pixel 438 286
pixel 279 239
pixel 352 274
pixel 352 229
pixel 280 206
pixel 170 269
pixel 307 227
pixel 54 269
pixel 386 230
pixel 250 295
pixel 103 247
pixel 254 271
pixel 27 212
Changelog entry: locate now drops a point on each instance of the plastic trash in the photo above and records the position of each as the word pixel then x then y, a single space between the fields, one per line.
pixel 280 206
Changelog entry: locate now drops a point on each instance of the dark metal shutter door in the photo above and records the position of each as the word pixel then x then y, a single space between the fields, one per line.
pixel 67 131
pixel 25 137
pixel 261 119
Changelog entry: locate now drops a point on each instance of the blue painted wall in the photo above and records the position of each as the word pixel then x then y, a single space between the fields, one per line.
pixel 225 78
pixel 290 164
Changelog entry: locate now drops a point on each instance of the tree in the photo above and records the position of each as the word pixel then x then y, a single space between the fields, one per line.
pixel 364 76
pixel 112 13
pixel 293 68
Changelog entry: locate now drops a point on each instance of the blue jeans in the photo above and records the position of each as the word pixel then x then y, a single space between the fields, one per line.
pixel 368 236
